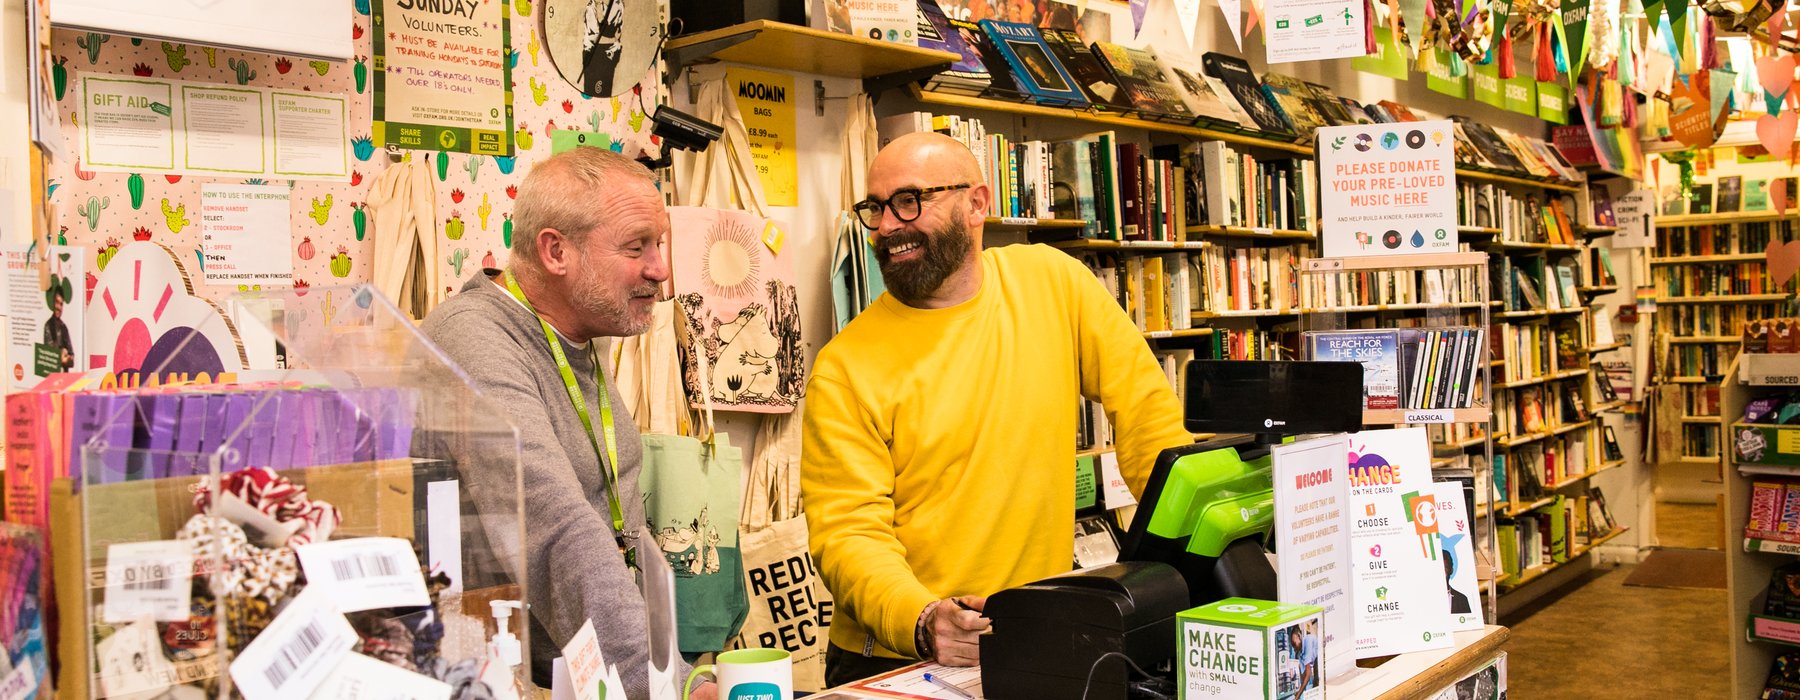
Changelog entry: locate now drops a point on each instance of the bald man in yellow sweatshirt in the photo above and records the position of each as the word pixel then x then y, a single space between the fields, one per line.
pixel 939 458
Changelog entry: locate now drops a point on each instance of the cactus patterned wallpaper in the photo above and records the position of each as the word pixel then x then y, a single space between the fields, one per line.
pixel 331 235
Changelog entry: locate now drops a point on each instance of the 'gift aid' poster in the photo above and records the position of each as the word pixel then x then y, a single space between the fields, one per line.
pixel 1395 545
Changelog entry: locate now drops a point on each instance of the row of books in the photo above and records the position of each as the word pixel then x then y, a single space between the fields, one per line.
pixel 1700 441
pixel 1554 533
pixel 1249 344
pixel 1446 436
pixel 1698 360
pixel 1457 285
pixel 1597 268
pixel 1231 187
pixel 1532 285
pixel 1726 195
pixel 1527 219
pixel 1530 351
pixel 1721 239
pixel 1247 278
pixel 1163 292
pixel 1749 277
pixel 1553 462
pixel 1408 367
pixel 1702 400
pixel 1174 362
pixel 1688 320
pixel 1159 292
pixel 1092 429
pixel 1492 147
pixel 1538 409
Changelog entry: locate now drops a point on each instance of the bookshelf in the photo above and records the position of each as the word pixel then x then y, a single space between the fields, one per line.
pixel 1087 115
pixel 1709 270
pixel 789 47
pixel 1430 366
pixel 1750 558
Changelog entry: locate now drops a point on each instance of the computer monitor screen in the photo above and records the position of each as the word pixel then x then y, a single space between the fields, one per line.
pixel 1273 397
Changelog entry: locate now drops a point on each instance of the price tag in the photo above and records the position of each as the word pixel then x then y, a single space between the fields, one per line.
pixel 359 677
pixel 365 573
pixel 149 579
pixel 20 684
pixel 297 651
pixel 1439 416
pixel 1018 221
pixel 773 237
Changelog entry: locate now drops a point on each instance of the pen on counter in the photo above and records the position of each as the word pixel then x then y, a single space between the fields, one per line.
pixel 941 683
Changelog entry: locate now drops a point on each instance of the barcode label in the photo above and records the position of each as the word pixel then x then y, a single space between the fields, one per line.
pixel 297 651
pixel 302 647
pixel 151 579
pixel 365 573
pixel 365 566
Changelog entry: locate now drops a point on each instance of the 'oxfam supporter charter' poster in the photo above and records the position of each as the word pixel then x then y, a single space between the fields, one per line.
pixel 441 76
pixel 1399 596
pixel 766 101
pixel 1312 509
pixel 1313 30
pixel 43 332
pixel 1388 189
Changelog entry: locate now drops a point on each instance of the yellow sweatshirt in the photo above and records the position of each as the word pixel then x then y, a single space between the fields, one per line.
pixel 940 444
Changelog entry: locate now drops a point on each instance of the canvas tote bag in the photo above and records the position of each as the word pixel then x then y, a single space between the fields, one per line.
pixel 790 607
pixel 690 491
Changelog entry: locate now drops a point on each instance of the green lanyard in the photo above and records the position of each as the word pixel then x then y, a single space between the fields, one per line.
pixel 580 401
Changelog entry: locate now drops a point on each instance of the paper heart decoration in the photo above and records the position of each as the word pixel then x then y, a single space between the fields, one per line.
pixel 1776 75
pixel 1784 261
pixel 1777 132
pixel 1778 194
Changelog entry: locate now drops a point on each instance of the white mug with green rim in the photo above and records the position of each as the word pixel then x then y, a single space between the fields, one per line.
pixel 749 674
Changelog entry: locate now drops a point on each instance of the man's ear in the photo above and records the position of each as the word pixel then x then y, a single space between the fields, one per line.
pixel 554 253
pixel 980 201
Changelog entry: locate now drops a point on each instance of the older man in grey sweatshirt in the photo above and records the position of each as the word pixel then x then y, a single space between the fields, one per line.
pixel 587 265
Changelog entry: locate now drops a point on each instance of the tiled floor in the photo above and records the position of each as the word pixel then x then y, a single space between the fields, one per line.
pixel 1603 639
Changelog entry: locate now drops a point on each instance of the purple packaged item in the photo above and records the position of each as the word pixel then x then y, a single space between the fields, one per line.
pixel 162 414
pixel 1759 410
pixel 237 432
pixel 287 425
pixel 189 437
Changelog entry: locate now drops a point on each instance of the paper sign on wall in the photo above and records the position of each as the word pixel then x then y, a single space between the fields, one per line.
pixel 1395 544
pixel 1314 30
pixel 1312 501
pixel 1388 189
pixel 766 102
pixel 1636 212
pixel 177 127
pixel 44 326
pixel 239 226
pixel 443 79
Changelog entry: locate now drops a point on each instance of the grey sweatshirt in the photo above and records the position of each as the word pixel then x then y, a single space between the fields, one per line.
pixel 574 570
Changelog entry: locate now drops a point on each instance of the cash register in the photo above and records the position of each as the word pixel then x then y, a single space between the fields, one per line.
pixel 1199 535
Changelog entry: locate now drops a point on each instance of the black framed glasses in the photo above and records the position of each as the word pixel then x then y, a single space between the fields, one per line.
pixel 905 203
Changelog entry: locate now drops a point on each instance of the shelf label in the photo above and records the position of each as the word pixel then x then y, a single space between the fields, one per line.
pixel 1018 221
pixel 1160 334
pixel 1263 231
pixel 1437 416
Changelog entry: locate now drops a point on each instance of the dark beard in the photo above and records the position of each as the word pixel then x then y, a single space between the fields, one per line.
pixel 912 282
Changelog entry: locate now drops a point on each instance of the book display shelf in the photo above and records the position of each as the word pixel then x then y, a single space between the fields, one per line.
pixel 1711 278
pixel 1761 481
pixel 1423 364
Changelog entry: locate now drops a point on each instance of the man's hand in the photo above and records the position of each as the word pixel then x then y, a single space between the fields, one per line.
pixel 705 691
pixel 954 628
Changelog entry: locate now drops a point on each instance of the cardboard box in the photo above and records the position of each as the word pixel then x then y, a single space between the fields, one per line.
pixel 1766 444
pixel 1244 648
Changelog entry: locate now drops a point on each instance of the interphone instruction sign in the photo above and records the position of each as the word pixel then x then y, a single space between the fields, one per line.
pixel 1388 189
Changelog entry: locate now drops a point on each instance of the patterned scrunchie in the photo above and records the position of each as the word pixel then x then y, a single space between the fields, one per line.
pixel 277 497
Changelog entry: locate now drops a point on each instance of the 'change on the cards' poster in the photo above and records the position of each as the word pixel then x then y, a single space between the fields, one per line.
pixel 1395 544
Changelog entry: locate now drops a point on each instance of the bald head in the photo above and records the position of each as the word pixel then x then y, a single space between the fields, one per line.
pixel 926 154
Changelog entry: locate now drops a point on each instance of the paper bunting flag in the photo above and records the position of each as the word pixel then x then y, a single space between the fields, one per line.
pixel 1256 16
pixel 1776 78
pixel 1137 16
pixel 1572 29
pixel 1722 83
pixel 1187 13
pixel 1234 20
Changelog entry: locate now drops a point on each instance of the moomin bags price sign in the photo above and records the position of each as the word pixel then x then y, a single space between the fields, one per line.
pixel 1388 189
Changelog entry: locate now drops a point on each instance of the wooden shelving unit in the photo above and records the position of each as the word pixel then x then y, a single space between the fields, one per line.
pixel 1742 217
pixel 1749 563
pixel 1183 333
pixel 1237 232
pixel 1723 299
pixel 1467 173
pixel 1707 340
pixel 1609 347
pixel 1149 247
pixel 1515 582
pixel 768 44
pixel 1110 119
pixel 1020 224
pixel 1696 259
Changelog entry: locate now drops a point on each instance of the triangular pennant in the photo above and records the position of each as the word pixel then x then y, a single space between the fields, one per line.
pixel 1678 21
pixel 1187 14
pixel 1137 16
pixel 1234 20
pixel 1572 28
pixel 1256 16
pixel 1413 13
pixel 1722 82
pixel 1777 22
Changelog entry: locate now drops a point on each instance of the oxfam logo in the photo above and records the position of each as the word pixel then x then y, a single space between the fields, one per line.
pixel 1237 608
